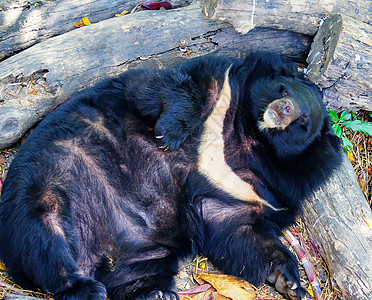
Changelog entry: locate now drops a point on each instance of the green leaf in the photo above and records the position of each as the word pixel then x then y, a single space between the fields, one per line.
pixel 345 116
pixel 334 116
pixel 360 126
pixel 370 114
pixel 348 146
pixel 337 129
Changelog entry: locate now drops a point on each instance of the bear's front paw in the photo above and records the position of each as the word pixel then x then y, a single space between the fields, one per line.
pixel 171 133
pixel 159 295
pixel 285 279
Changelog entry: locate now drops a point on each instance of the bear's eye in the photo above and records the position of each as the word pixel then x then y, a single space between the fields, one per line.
pixel 285 107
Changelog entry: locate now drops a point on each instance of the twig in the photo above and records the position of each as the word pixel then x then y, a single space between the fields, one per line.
pixel 306 263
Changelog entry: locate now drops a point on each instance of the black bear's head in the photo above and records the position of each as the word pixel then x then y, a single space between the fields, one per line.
pixel 287 109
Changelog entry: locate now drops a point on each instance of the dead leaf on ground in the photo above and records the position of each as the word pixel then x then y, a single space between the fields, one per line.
pixel 86 21
pixel 152 5
pixel 2 159
pixel 230 286
pixel 79 24
pixel 34 92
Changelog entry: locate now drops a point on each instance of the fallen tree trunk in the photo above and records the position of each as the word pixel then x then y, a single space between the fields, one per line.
pixel 296 15
pixel 25 23
pixel 340 62
pixel 340 221
pixel 37 79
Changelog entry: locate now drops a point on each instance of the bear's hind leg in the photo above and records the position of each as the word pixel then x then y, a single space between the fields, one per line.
pixel 37 253
pixel 143 277
pixel 83 289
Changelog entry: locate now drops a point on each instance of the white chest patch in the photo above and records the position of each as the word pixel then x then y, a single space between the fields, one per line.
pixel 212 162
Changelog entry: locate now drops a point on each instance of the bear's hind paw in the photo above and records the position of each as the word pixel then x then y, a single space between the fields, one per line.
pixel 159 295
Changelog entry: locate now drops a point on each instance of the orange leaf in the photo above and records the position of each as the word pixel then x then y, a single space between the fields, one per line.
pixel 79 24
pixel 86 21
pixel 369 170
pixel 230 286
pixel 34 92
pixel 2 266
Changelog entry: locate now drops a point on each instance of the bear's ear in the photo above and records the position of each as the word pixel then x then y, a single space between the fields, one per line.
pixel 258 65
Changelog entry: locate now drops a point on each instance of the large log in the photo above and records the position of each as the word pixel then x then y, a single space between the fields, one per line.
pixel 340 221
pixel 37 79
pixel 25 23
pixel 340 62
pixel 302 16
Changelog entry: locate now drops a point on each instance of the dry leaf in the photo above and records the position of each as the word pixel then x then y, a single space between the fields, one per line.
pixel 79 24
pixel 1 184
pixel 199 296
pixel 34 92
pixel 2 159
pixel 197 289
pixel 86 21
pixel 363 184
pixel 230 286
pixel 217 296
pixel 152 5
pixel 2 266
pixel 369 170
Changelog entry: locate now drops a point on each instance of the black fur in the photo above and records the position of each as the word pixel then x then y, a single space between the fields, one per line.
pixel 91 202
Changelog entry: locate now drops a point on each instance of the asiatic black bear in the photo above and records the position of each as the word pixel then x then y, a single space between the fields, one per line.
pixel 94 205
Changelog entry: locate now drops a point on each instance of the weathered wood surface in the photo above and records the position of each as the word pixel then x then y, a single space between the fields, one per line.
pixel 63 65
pixel 303 16
pixel 340 221
pixel 340 62
pixel 19 297
pixel 24 23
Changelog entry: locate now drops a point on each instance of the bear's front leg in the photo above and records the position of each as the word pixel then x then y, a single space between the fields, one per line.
pixel 240 242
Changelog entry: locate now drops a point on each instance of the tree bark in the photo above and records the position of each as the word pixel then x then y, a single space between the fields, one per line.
pixel 340 62
pixel 339 220
pixel 35 80
pixel 25 23
pixel 295 15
